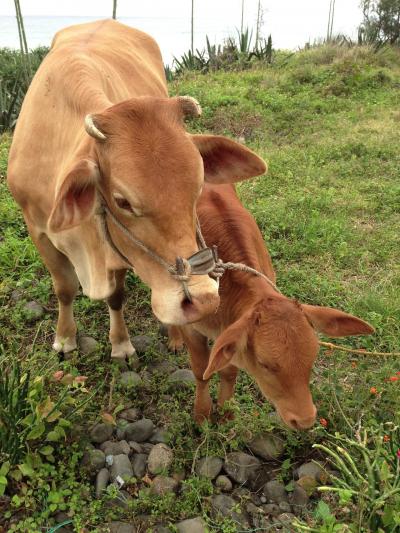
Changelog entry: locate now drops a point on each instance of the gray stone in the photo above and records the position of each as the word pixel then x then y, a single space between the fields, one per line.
pixel 102 480
pixel 139 431
pixel 33 311
pixel 17 295
pixel 121 467
pixel 241 467
pixel 209 467
pixel 101 432
pixel 299 497
pixel 181 378
pixel 87 345
pixel 252 509
pixel 139 463
pixel 115 448
pixel 135 447
pixel 164 367
pixel 131 415
pixel 142 343
pixel 226 506
pixel 286 518
pixel 130 379
pixel 162 485
pixel 121 500
pixel 147 447
pixel 265 473
pixel 267 446
pixel 159 435
pixel 223 483
pixel 275 492
pixel 94 460
pixel 285 507
pixel 121 527
pixel 313 470
pixel 192 525
pixel 160 458
pixel 271 509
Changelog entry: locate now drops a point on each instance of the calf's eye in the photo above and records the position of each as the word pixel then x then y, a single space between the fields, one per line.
pixel 123 203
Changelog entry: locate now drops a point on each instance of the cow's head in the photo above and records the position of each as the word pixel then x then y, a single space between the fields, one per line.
pixel 151 172
pixel 276 342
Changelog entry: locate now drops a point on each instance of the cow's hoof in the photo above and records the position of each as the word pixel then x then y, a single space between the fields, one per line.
pixel 123 351
pixel 64 345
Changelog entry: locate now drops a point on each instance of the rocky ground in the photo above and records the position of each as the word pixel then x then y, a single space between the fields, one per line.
pixel 133 453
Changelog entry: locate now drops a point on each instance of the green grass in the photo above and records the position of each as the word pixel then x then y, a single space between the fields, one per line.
pixel 327 122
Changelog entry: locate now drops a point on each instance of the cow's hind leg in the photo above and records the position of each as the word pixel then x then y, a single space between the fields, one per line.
pixel 66 286
pixel 121 346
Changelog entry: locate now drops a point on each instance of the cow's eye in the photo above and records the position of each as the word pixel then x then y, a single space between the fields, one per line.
pixel 123 203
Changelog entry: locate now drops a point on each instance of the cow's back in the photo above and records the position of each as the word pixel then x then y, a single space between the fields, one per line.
pixel 89 68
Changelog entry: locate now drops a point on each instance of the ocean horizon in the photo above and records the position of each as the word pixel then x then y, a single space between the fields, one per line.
pixel 171 33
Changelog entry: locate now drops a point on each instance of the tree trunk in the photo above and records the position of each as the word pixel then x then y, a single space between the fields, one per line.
pixel 114 15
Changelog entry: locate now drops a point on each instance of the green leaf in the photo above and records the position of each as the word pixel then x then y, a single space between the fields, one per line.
pixel 45 407
pixel 64 423
pixel 53 436
pixel 26 470
pixel 4 469
pixel 3 480
pixel 323 511
pixel 46 450
pixel 53 416
pixel 16 500
pixel 37 431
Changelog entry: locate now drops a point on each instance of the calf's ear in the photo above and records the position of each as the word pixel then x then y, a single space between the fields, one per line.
pixel 335 323
pixel 76 198
pixel 231 341
pixel 227 161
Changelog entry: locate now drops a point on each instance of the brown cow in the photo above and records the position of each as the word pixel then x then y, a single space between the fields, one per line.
pixel 257 329
pixel 134 171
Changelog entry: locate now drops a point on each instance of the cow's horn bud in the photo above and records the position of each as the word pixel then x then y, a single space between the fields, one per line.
pixel 190 106
pixel 93 130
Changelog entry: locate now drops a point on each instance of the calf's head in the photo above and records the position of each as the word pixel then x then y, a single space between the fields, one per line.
pixel 276 343
pixel 150 172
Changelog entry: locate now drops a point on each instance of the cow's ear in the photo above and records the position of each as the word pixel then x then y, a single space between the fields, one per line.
pixel 76 198
pixel 233 340
pixel 335 323
pixel 227 161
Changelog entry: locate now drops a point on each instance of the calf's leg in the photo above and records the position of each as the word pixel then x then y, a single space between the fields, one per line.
pixel 199 354
pixel 121 346
pixel 175 338
pixel 66 286
pixel 228 377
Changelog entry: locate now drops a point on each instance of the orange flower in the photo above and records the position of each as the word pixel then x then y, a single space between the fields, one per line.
pixel 386 438
pixel 354 364
pixel 323 422
pixel 80 379
pixel 373 390
pixel 393 378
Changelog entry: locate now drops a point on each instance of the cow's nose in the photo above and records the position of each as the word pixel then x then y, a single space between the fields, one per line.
pixel 200 306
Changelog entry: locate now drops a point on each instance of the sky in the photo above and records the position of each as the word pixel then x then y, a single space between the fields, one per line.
pixel 292 23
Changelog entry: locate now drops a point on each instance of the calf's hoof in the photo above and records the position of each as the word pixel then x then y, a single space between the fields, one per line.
pixel 64 345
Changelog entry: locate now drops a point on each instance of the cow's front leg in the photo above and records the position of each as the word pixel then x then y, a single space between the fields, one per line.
pixel 121 346
pixel 199 351
pixel 228 377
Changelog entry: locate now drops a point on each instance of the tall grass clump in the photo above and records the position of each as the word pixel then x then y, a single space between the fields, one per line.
pixel 15 79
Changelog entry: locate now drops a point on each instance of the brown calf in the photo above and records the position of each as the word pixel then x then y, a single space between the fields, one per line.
pixel 255 328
